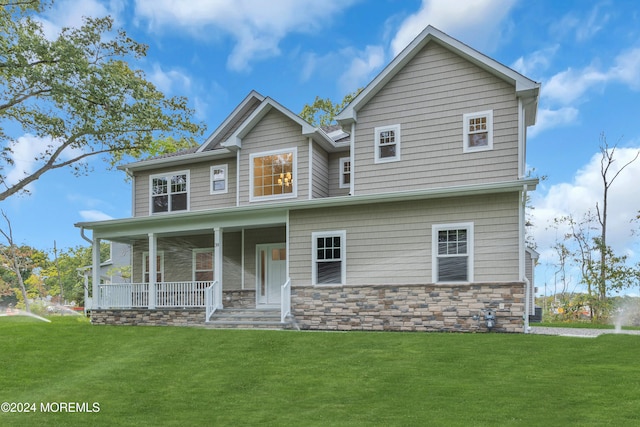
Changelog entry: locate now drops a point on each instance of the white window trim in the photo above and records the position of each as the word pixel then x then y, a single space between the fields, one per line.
pixel 296 177
pixel 193 260
pixel 343 160
pixel 224 167
pixel 343 252
pixel 465 143
pixel 435 228
pixel 168 175
pixel 376 135
pixel 145 255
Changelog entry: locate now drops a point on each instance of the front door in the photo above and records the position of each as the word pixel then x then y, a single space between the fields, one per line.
pixel 271 272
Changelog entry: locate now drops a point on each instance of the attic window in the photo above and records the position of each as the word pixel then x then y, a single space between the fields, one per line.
pixel 387 143
pixel 478 131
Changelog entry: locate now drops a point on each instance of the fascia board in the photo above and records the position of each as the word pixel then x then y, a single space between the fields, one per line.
pixel 274 212
pixel 231 117
pixel 267 105
pixel 523 85
pixel 176 160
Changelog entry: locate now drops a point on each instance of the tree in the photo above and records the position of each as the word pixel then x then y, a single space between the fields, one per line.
pixel 322 111
pixel 78 93
pixel 607 160
pixel 19 260
pixel 601 269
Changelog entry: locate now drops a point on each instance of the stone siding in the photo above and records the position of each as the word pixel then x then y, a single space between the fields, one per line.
pixel 426 308
pixel 170 316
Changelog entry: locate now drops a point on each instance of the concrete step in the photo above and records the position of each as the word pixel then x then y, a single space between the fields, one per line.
pixel 235 318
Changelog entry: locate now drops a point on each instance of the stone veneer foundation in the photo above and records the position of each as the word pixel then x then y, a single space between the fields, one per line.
pixel 420 308
pixel 170 316
pixel 432 308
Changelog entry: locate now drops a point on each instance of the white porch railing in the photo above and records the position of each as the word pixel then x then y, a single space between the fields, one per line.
pixel 168 294
pixel 285 301
pixel 213 299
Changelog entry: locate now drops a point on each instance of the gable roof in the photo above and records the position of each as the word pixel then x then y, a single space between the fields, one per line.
pixel 234 141
pixel 526 88
pixel 233 121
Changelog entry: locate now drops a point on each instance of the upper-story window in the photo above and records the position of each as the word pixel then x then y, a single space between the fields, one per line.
pixel 387 143
pixel 273 174
pixel 219 179
pixel 169 192
pixel 345 172
pixel 478 131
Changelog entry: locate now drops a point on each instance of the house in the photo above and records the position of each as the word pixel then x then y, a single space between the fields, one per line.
pixel 408 216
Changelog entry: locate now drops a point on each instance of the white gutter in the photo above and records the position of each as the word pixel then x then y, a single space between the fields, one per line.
pixel 522 255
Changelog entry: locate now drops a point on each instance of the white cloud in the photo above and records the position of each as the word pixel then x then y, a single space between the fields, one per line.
pixel 363 65
pixel 536 62
pixel 583 27
pixel 548 119
pixel 476 21
pixel 170 81
pixel 581 195
pixel 68 13
pixel 256 27
pixel 26 155
pixel 94 215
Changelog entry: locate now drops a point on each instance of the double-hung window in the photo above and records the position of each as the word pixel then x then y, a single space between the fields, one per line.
pixel 159 267
pixel 478 131
pixel 329 258
pixel 345 172
pixel 387 143
pixel 169 192
pixel 219 179
pixel 273 174
pixel 203 265
pixel 452 252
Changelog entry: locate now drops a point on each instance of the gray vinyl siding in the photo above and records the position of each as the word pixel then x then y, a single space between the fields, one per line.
pixel 178 257
pixel 200 197
pixel 320 172
pixel 274 132
pixel 428 98
pixel 334 174
pixel 391 243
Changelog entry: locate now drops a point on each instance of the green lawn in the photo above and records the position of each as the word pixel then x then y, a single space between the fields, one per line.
pixel 196 377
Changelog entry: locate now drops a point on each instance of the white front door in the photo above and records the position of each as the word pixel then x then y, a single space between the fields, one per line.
pixel 271 273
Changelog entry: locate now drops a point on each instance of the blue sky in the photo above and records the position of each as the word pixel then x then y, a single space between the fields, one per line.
pixel 586 54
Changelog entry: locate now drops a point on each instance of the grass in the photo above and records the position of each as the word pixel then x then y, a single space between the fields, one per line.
pixel 182 376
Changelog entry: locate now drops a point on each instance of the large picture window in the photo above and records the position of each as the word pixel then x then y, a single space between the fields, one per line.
pixel 329 258
pixel 478 131
pixel 273 174
pixel 169 192
pixel 453 252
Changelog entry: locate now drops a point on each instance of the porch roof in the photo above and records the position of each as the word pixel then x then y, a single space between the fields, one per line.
pixel 275 213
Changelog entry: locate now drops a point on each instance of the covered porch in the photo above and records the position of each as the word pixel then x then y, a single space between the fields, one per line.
pixel 203 264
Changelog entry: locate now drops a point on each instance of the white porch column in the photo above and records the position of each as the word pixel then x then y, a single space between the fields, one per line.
pixel 217 262
pixel 95 273
pixel 153 268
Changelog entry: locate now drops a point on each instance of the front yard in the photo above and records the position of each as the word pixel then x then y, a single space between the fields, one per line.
pixel 186 376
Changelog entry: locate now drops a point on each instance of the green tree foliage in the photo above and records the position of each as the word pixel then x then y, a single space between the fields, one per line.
pixel 322 111
pixel 79 93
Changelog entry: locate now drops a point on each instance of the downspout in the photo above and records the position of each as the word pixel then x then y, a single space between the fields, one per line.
pixel 352 159
pixel 521 257
pixel 521 140
pixel 310 170
pixel 84 236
